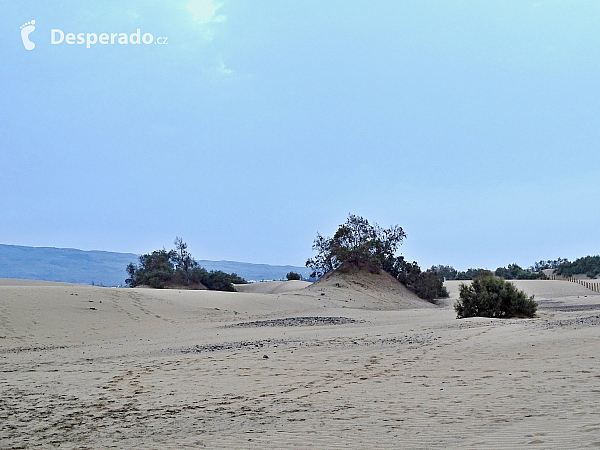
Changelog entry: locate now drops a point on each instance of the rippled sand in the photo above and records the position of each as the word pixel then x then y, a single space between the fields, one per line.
pixel 91 367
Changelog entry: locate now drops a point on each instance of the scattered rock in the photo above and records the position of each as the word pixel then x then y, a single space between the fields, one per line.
pixel 298 322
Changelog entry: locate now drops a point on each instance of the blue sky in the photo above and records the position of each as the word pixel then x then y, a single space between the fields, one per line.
pixel 473 125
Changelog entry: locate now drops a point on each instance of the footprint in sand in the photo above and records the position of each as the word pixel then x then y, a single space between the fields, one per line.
pixel 26 29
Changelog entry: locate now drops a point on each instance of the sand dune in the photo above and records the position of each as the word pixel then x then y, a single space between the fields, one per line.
pixel 352 288
pixel 91 367
pixel 272 287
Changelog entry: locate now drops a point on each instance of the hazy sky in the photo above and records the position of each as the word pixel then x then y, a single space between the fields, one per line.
pixel 474 125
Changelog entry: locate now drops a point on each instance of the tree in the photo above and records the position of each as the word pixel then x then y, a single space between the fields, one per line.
pixel 177 268
pixel 293 276
pixel 492 296
pixel 154 270
pixel 548 264
pixel 445 272
pixel 470 274
pixel 402 270
pixel 355 242
pixel 184 263
pixel 361 244
pixel 516 272
pixel 589 265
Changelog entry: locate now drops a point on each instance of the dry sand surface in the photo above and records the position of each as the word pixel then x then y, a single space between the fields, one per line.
pixel 272 287
pixel 91 367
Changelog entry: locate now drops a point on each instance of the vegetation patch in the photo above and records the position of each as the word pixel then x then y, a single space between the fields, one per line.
pixel 177 268
pixel 358 243
pixel 588 265
pixel 492 296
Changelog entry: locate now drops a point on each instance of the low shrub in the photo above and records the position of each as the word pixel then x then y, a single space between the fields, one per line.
pixel 491 296
pixel 428 285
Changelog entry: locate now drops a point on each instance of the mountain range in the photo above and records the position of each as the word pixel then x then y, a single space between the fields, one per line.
pixel 108 268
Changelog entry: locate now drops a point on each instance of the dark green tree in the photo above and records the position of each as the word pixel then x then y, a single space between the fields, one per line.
pixel 445 272
pixel 470 274
pixel 402 270
pixel 589 265
pixel 155 269
pixel 516 272
pixel 293 276
pixel 547 264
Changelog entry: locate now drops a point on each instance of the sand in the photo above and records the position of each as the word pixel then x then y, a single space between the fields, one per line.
pixel 92 367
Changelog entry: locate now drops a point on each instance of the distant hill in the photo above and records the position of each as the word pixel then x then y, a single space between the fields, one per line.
pixel 64 264
pixel 107 268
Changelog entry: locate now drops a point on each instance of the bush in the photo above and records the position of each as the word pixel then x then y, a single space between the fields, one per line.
pixel 428 285
pixel 215 280
pixel 491 296
pixel 293 276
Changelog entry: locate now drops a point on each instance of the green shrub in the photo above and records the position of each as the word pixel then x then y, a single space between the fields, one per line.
pixel 428 285
pixel 215 280
pixel 293 276
pixel 491 296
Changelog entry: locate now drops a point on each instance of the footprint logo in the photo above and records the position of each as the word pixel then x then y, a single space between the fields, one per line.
pixel 26 30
